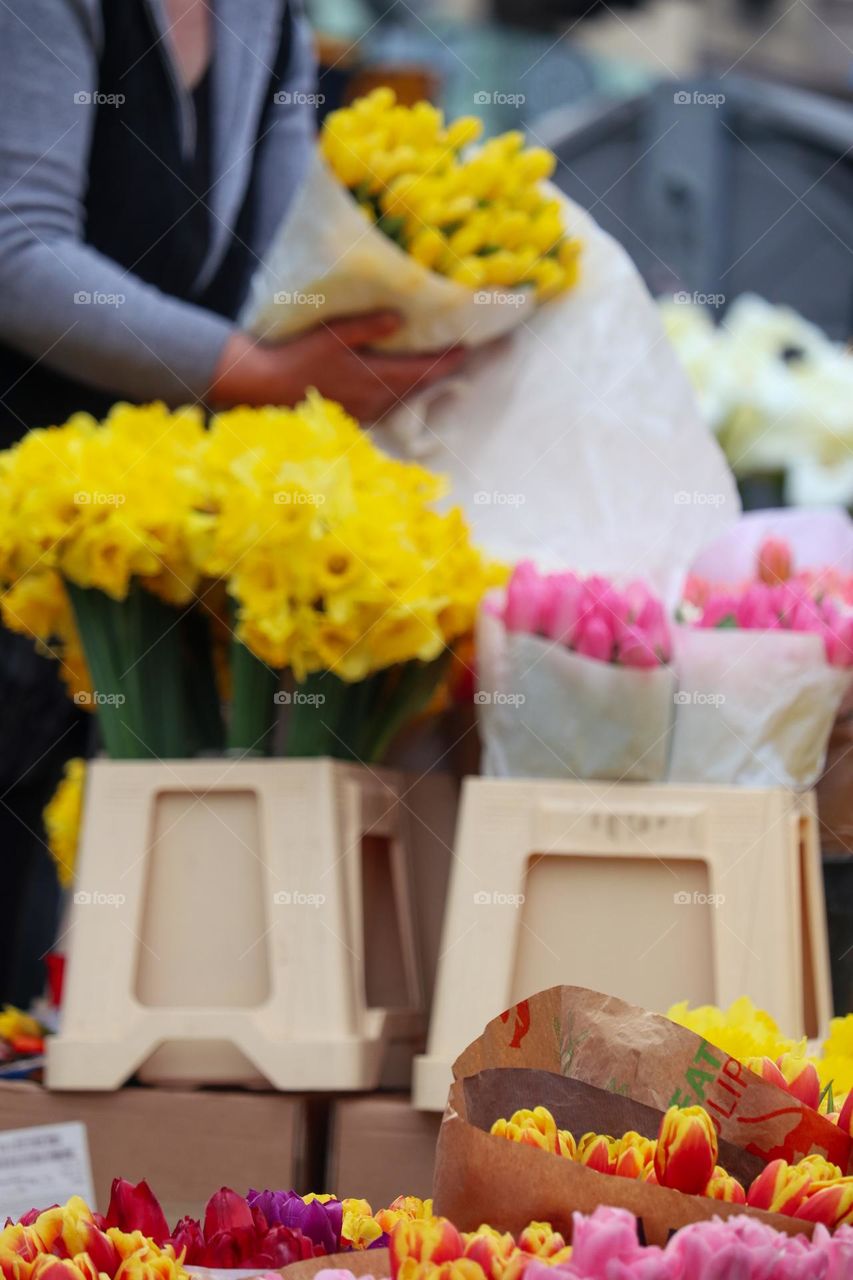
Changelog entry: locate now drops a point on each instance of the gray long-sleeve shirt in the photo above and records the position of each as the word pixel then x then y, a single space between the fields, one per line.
pixel 153 346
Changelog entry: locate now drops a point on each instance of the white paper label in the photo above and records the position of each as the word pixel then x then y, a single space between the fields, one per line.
pixel 43 1166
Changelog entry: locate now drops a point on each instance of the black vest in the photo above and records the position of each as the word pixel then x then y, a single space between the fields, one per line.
pixel 145 204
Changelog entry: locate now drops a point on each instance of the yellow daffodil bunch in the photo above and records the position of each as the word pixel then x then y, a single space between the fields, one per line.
pixel 102 504
pixel 131 548
pixel 62 817
pixel 332 551
pixel 480 217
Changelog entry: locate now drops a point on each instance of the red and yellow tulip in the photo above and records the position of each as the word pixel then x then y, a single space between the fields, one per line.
pixel 832 1205
pixel 433 1240
pixel 686 1151
pixel 723 1186
pixel 539 1239
pixel 801 1078
pixel 768 1070
pixel 780 1187
pixel 490 1249
pixel 634 1154
pixel 598 1151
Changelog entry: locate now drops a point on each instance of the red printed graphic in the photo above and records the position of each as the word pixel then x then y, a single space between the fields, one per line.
pixel 522 1022
pixel 801 1138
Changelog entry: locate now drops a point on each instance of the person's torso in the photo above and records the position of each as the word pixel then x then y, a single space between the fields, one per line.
pixel 151 169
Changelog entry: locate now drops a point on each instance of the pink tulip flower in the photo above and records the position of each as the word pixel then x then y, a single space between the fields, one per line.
pixel 775 560
pixel 594 637
pixel 589 616
pixel 525 599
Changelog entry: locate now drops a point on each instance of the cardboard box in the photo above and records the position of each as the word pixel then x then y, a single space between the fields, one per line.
pixel 186 1144
pixel 380 1148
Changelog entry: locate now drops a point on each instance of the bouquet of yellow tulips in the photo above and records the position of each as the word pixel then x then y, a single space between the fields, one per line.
pixel 401 210
pixel 191 581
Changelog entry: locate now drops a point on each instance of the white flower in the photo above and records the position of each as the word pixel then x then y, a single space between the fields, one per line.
pixel 775 389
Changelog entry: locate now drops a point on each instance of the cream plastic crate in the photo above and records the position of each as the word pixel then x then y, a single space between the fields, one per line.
pixel 654 893
pixel 239 922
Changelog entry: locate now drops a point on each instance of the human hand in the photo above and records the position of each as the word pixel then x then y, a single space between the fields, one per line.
pixel 337 359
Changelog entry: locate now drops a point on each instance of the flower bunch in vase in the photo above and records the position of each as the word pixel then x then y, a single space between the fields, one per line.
pixel 194 581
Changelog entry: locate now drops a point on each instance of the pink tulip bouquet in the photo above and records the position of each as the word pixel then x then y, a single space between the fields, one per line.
pixel 574 679
pixel 765 651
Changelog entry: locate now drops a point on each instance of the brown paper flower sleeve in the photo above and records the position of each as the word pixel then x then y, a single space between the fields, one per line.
pixel 616 1046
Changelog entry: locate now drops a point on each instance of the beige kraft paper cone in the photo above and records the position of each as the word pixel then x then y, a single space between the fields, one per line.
pixel 616 1046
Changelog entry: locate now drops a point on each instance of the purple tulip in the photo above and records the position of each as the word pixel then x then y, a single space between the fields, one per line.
pixel 319 1221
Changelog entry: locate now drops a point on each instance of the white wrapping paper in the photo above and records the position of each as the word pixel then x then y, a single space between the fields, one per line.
pixel 754 708
pixel 545 712
pixel 574 440
pixel 328 261
pixel 577 440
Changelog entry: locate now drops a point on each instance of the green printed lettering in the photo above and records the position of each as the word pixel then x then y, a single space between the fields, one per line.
pixel 697 1081
pixel 704 1055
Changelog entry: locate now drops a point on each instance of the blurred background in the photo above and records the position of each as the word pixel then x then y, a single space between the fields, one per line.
pixel 748 190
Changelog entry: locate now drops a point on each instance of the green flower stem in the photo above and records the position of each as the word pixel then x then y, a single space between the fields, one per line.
pixel 359 720
pixel 202 691
pixel 253 705
pixel 133 649
pixel 316 726
pixel 407 698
